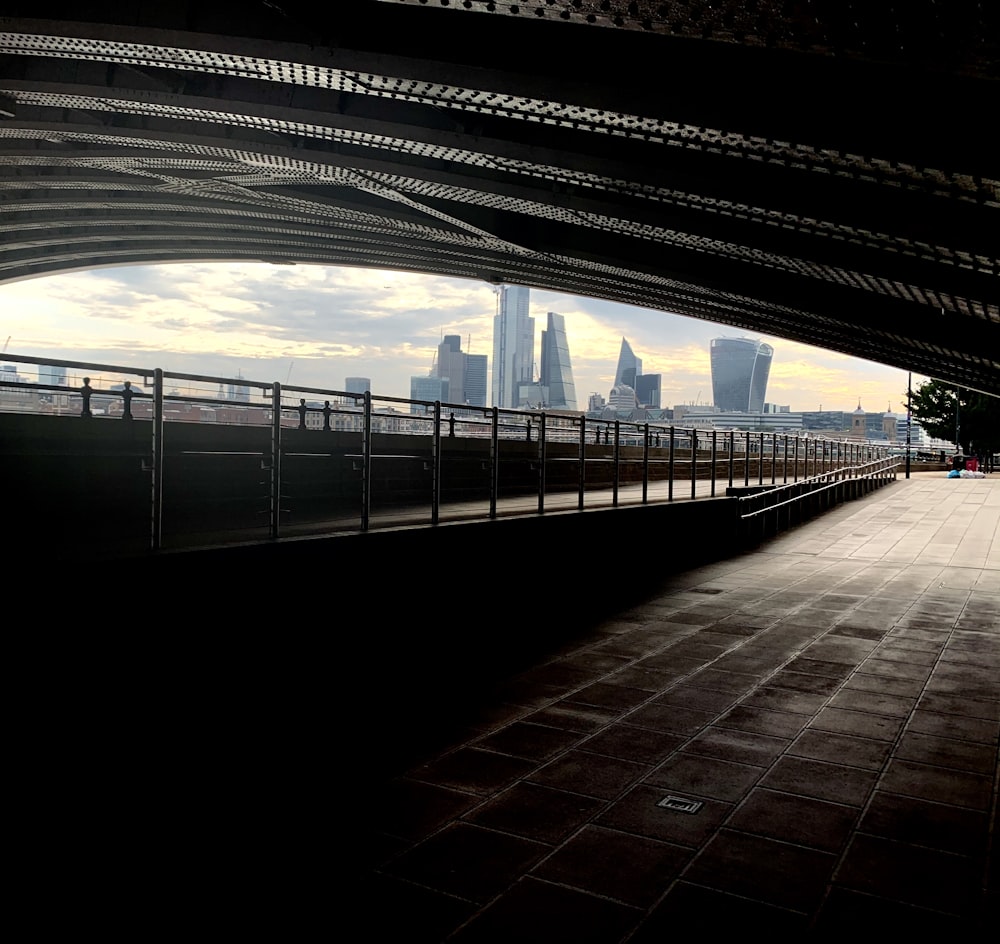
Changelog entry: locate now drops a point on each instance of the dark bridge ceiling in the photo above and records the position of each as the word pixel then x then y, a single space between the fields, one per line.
pixel 822 170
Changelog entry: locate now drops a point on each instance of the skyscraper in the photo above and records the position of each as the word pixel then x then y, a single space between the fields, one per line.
pixel 451 365
pixel 634 388
pixel 513 345
pixel 476 366
pixel 465 373
pixel 629 366
pixel 740 368
pixel 557 372
pixel 357 384
pixel 427 388
pixel 647 390
pixel 50 374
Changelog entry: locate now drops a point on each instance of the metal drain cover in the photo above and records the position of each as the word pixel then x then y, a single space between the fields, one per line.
pixel 680 804
pixel 704 590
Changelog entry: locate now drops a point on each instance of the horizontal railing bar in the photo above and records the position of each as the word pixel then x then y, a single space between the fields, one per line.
pixel 202 378
pixel 85 365
pixel 813 491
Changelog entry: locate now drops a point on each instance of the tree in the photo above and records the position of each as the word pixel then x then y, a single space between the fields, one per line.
pixel 977 420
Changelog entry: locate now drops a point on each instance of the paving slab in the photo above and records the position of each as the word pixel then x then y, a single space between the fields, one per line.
pixel 805 735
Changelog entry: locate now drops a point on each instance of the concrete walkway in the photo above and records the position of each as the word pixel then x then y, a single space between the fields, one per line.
pixel 803 737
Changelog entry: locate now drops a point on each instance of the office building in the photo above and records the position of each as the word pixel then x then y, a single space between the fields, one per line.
pixel 629 366
pixel 465 373
pixel 239 392
pixel 476 368
pixel 740 368
pixel 629 374
pixel 513 345
pixel 358 385
pixel 557 372
pixel 428 388
pixel 706 417
pixel 450 365
pixel 647 391
pixel 622 398
pixel 53 375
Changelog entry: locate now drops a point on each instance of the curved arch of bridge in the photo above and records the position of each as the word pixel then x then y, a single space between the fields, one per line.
pixel 811 174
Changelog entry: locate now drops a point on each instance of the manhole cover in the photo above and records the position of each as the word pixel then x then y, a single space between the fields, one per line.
pixel 680 804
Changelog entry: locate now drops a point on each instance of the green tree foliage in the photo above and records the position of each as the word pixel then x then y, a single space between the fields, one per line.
pixel 933 406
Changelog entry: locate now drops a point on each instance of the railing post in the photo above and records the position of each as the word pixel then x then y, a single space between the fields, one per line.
pixel 583 463
pixel 795 458
pixel 494 461
pixel 275 518
pixel 732 459
pixel 746 458
pixel 784 463
pixel 774 458
pixel 670 466
pixel 694 461
pixel 715 458
pixel 541 463
pixel 645 463
pixel 760 459
pixel 436 465
pixel 366 461
pixel 156 497
pixel 617 457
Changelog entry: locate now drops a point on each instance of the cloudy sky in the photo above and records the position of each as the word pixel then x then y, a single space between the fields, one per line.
pixel 313 326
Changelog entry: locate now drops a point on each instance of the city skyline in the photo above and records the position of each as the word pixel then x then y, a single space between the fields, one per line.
pixel 316 326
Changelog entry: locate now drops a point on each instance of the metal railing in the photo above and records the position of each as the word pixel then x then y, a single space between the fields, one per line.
pixel 312 460
pixel 770 512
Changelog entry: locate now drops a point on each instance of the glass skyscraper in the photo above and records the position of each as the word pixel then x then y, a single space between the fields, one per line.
pixel 629 366
pixel 465 373
pixel 475 379
pixel 557 372
pixel 513 345
pixel 740 368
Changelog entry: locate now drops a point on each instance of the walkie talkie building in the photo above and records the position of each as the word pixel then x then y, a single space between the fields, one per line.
pixel 740 367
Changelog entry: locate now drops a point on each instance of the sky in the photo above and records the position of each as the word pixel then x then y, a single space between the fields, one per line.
pixel 313 326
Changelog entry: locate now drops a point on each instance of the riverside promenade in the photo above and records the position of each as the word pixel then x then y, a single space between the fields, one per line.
pixel 800 738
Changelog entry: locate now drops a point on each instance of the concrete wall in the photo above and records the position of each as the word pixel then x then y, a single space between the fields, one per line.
pixel 88 486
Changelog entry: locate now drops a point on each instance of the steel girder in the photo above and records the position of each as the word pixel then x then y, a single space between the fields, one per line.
pixel 811 170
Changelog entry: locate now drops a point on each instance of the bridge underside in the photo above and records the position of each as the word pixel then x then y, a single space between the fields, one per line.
pixel 815 171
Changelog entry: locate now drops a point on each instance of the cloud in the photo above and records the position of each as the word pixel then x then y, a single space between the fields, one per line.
pixel 256 319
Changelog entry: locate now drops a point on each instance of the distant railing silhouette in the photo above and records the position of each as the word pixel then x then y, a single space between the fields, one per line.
pixel 311 460
pixel 766 513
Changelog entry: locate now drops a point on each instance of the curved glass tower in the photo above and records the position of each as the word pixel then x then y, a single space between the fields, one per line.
pixel 740 367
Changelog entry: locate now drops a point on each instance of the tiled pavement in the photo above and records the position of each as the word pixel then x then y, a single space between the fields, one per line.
pixel 831 701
